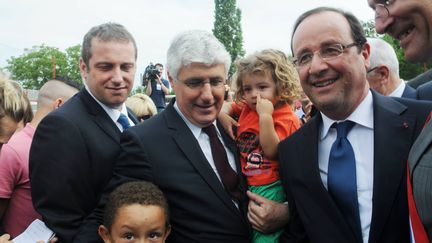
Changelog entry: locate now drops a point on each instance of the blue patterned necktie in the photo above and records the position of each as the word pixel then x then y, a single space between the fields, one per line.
pixel 342 180
pixel 124 121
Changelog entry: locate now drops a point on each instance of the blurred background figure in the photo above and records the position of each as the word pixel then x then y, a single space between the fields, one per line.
pixel 303 108
pixel 157 86
pixel 142 105
pixel 383 73
pixel 28 112
pixel 16 209
pixel 12 107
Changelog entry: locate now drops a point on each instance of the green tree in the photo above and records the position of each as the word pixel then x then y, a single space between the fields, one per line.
pixel 33 68
pixel 227 28
pixel 407 70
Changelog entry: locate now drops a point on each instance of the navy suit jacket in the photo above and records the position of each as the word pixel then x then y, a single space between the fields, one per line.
pixel 409 92
pixel 163 150
pixel 314 216
pixel 71 160
pixel 424 91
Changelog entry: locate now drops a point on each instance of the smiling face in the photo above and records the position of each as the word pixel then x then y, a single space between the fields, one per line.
pixel 258 83
pixel 111 71
pixel 336 87
pixel 409 21
pixel 137 223
pixel 200 105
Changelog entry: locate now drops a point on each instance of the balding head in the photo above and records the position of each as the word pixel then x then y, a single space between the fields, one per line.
pixel 383 73
pixel 55 89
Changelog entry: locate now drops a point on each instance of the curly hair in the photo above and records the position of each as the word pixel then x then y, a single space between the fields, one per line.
pixel 135 192
pixel 12 102
pixel 275 63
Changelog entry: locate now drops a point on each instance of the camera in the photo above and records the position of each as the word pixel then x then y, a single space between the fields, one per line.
pixel 151 72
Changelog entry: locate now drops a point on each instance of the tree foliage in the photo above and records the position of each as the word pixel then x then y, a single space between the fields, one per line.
pixel 407 70
pixel 36 65
pixel 227 28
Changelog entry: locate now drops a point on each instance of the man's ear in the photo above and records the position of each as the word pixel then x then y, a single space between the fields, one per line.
pixel 171 80
pixel 83 69
pixel 57 103
pixel 365 52
pixel 383 73
pixel 104 234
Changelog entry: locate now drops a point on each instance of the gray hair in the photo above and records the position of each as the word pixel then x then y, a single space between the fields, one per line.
pixel 382 53
pixel 196 46
pixel 105 32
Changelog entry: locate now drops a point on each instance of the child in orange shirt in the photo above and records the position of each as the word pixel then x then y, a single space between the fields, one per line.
pixel 267 85
pixel 136 212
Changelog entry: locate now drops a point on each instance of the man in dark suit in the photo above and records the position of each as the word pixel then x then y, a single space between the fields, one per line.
pixel 206 196
pixel 421 79
pixel 74 147
pixel 383 72
pixel 415 39
pixel 346 187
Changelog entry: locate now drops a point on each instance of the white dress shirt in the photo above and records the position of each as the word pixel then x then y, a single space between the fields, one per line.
pixel 114 114
pixel 399 90
pixel 361 139
pixel 204 142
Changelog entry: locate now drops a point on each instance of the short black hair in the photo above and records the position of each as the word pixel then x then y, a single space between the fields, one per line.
pixel 135 192
pixel 68 81
pixel 357 31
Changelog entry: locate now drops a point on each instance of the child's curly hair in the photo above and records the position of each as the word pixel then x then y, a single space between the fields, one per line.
pixel 277 64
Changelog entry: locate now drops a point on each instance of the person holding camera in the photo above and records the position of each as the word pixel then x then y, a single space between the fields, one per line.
pixel 157 88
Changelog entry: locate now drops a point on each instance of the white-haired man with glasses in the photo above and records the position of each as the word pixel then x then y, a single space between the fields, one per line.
pixel 344 170
pixel 187 154
pixel 410 22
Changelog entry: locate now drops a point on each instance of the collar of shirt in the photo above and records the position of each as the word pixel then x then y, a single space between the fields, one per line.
pixel 362 115
pixel 196 130
pixel 399 90
pixel 114 114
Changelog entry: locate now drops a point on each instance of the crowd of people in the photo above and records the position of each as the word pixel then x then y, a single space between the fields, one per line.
pixel 350 163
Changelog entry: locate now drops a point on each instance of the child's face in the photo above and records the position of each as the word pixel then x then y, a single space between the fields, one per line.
pixel 260 83
pixel 137 223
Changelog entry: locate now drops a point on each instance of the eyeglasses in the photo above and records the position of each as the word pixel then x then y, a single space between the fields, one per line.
pixel 327 53
pixel 197 83
pixel 381 9
pixel 372 69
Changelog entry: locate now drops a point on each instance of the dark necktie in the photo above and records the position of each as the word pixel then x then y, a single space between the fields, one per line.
pixel 342 180
pixel 227 174
pixel 124 121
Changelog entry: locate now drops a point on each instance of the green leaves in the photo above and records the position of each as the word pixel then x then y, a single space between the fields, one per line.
pixel 41 63
pixel 227 28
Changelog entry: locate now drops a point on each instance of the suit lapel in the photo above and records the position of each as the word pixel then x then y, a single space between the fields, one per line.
pixel 192 151
pixel 420 145
pixel 99 116
pixel 389 157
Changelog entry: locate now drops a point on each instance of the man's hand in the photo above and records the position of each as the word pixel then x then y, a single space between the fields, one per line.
pixel 5 238
pixel 265 215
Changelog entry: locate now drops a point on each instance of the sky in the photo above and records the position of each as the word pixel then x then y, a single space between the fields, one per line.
pixel 61 24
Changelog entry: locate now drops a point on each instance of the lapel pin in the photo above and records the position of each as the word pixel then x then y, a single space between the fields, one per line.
pixel 405 124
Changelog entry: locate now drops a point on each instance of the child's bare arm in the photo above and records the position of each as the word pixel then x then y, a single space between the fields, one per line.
pixel 268 137
pixel 226 120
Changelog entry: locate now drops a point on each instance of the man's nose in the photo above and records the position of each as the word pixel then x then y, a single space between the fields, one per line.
pixel 382 24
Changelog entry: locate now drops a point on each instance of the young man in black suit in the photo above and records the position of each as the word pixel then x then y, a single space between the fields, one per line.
pixel 74 147
pixel 346 186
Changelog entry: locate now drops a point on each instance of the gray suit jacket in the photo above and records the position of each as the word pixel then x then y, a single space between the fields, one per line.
pixel 420 163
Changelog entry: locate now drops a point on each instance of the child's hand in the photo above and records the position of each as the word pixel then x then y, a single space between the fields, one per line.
pixel 264 106
pixel 227 123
